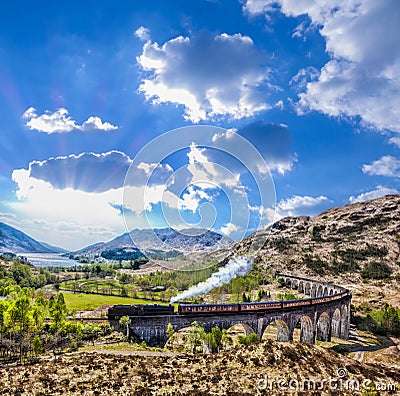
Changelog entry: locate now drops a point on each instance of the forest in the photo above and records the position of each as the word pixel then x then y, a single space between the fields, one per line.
pixel 33 321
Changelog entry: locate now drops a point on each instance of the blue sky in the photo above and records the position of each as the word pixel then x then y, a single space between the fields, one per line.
pixel 85 86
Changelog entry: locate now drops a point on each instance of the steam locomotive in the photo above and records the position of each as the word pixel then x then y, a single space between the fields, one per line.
pixel 115 312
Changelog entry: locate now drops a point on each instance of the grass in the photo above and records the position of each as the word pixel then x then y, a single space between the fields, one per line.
pixel 89 302
pixel 121 346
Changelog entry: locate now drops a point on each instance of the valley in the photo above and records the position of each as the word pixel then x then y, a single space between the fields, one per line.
pixel 355 246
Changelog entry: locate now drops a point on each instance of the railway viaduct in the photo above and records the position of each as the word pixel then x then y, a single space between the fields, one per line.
pixel 324 314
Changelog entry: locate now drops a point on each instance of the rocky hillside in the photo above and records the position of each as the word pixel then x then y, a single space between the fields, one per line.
pixel 16 241
pixel 354 242
pixel 162 240
pixel 243 371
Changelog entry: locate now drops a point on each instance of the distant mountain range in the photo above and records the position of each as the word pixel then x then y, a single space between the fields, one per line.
pixel 16 241
pixel 163 242
pixel 158 241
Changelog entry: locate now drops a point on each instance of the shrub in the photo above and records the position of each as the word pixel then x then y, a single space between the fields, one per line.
pixel 376 270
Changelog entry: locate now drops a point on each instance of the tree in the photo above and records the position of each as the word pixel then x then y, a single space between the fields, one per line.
pixel 170 330
pixel 4 305
pixel 58 312
pixel 38 315
pixel 37 345
pixel 226 339
pixel 209 343
pixel 196 336
pixel 20 318
pixel 125 322
pixel 217 334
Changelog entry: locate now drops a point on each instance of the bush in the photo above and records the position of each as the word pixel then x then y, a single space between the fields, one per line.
pixel 252 339
pixel 376 270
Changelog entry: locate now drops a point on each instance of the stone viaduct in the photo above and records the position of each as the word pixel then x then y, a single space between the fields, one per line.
pixel 325 314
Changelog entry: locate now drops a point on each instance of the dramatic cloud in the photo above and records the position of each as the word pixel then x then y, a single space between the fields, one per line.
pixel 362 77
pixel 88 172
pixel 93 172
pixel 223 75
pixel 86 191
pixel 380 191
pixel 274 142
pixel 384 166
pixel 59 121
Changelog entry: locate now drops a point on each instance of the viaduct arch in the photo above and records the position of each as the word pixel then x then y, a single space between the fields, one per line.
pixel 321 316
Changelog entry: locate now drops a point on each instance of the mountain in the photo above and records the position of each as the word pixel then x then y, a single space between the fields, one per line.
pixel 54 249
pixel 16 241
pixel 91 249
pixel 161 240
pixel 355 243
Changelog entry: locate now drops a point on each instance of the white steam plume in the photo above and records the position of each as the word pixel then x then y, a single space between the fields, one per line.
pixel 237 266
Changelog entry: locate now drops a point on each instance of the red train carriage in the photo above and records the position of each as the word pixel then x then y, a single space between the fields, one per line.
pixel 260 306
pixel 207 308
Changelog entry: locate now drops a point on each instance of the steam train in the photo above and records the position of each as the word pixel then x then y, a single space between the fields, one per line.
pixel 117 311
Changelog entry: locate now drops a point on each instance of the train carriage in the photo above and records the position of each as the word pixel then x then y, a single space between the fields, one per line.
pixel 207 308
pixel 260 306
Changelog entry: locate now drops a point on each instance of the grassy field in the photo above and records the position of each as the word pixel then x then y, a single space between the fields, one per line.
pixel 88 302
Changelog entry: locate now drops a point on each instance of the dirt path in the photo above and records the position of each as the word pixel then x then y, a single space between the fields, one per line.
pixel 132 353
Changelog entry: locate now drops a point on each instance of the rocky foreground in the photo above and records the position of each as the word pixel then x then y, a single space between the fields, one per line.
pixel 249 370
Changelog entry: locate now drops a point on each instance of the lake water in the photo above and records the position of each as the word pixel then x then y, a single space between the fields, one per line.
pixel 49 259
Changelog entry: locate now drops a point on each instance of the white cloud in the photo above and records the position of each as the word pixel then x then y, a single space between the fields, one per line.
pixel 210 76
pixel 95 123
pixel 380 191
pixel 192 198
pixel 254 7
pixel 203 170
pixel 10 219
pixel 362 77
pixel 142 33
pixel 59 121
pixel 299 204
pixel 395 141
pixel 294 206
pixel 229 229
pixel 384 166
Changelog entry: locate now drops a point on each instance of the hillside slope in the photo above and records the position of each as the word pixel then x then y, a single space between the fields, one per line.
pixel 338 242
pixel 16 241
pixel 242 371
